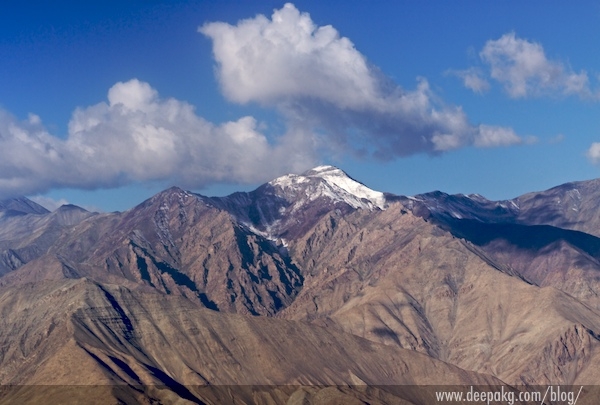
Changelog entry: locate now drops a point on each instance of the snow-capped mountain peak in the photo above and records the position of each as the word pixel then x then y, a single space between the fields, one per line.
pixel 333 183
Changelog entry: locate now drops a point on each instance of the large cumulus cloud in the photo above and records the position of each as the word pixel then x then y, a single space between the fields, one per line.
pixel 136 136
pixel 319 80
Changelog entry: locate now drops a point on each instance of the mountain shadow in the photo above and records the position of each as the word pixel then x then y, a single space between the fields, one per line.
pixel 529 237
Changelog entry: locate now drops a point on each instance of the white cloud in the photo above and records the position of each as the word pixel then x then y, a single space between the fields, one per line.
pixel 490 137
pixel 472 79
pixel 320 82
pixel 138 137
pixel 288 56
pixel 524 70
pixel 593 153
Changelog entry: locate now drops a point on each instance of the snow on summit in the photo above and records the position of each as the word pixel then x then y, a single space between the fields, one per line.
pixel 336 185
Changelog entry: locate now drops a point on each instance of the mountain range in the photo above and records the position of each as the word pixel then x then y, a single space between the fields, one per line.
pixel 312 288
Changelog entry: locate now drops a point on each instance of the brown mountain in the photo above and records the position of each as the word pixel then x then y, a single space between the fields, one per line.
pixel 311 280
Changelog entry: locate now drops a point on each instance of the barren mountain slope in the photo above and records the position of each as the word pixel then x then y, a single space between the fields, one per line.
pixel 74 332
pixel 514 235
pixel 543 255
pixel 570 206
pixel 394 278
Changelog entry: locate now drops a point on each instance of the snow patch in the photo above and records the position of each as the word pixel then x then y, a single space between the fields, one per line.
pixel 289 181
pixel 267 234
pixel 477 197
pixel 455 214
pixel 331 183
pixel 337 178
pixel 575 197
pixel 334 184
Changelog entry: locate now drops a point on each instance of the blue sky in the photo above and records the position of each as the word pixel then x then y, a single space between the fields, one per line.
pixel 104 104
